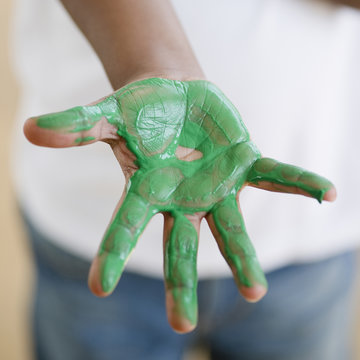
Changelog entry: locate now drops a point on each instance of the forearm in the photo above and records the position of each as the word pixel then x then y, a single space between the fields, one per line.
pixel 352 3
pixel 135 39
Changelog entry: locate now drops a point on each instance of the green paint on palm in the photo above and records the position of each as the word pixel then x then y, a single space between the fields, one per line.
pixel 155 117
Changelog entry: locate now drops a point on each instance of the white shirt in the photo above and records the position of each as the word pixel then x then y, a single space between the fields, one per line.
pixel 291 67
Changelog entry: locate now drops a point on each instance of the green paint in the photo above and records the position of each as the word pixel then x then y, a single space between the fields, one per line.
pixel 236 246
pixel 121 238
pixel 180 267
pixel 155 116
pixel 80 140
pixel 270 170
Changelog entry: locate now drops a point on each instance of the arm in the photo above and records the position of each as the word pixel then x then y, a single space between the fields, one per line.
pixel 136 39
pixel 352 3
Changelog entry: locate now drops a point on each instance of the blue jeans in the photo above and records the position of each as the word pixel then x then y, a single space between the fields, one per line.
pixel 305 315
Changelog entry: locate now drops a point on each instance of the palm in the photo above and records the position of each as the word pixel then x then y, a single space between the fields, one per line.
pixel 168 123
pixel 190 155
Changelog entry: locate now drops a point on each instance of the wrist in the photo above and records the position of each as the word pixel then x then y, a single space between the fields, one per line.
pixel 184 71
pixel 164 73
pixel 136 39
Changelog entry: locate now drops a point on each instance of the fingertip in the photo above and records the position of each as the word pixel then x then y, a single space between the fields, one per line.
pixel 330 195
pixel 253 294
pixel 180 324
pixel 178 317
pixel 30 130
pixel 182 327
pixel 94 280
pixel 56 137
pixel 46 137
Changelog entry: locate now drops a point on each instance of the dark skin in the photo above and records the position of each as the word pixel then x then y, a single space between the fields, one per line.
pixel 352 3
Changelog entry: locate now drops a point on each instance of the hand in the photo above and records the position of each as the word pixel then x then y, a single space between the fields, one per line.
pixel 185 153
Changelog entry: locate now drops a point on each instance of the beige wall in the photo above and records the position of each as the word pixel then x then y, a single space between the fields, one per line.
pixel 15 269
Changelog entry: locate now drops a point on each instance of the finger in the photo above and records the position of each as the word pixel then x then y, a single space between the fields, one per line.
pixel 180 252
pixel 269 174
pixel 80 125
pixel 227 226
pixel 119 241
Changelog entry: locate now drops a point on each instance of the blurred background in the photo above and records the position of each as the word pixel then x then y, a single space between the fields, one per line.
pixel 15 266
pixel 16 273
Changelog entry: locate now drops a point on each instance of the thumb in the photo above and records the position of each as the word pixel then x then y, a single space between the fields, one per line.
pixel 80 125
